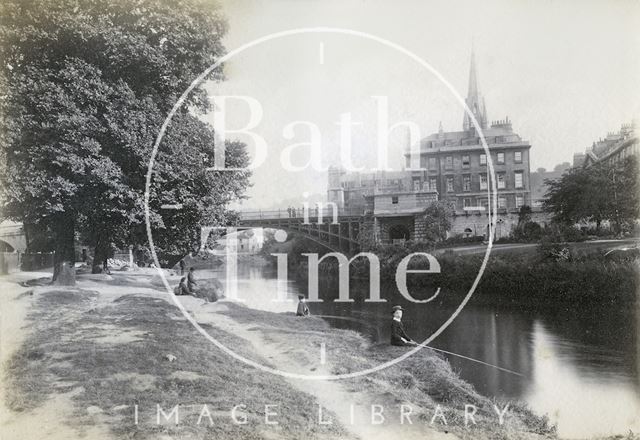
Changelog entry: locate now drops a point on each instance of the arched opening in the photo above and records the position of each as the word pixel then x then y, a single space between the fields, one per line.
pixel 468 232
pixel 6 247
pixel 399 232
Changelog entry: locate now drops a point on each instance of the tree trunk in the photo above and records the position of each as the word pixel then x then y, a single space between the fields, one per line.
pixel 64 273
pixel 27 235
pixel 100 254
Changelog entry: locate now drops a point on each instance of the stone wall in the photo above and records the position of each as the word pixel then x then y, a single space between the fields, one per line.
pixel 478 224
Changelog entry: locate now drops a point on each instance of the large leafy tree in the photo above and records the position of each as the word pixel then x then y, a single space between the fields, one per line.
pixel 603 191
pixel 88 84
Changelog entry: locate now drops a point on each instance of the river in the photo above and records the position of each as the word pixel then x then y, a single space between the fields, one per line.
pixel 581 367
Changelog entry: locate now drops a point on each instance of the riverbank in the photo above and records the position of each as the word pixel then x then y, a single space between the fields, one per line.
pixel 95 351
pixel 89 354
pixel 533 277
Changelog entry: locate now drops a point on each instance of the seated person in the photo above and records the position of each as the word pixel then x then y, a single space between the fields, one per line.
pixel 303 308
pixel 182 288
pixel 191 280
pixel 398 335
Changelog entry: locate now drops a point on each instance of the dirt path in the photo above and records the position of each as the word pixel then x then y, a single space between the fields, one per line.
pixel 353 409
pixel 15 302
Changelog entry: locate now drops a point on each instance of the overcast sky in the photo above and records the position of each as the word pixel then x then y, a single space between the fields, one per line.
pixel 565 72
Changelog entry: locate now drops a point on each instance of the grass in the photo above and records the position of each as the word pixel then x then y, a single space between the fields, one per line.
pixel 425 379
pixel 114 356
pixel 629 436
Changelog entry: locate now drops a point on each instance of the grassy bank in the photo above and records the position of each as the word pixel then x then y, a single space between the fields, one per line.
pixel 424 381
pixel 113 346
pixel 108 354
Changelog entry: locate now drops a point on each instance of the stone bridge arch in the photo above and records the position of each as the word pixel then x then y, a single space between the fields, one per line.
pixel 12 234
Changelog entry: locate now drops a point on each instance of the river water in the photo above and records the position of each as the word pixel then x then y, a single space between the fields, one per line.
pixel 581 367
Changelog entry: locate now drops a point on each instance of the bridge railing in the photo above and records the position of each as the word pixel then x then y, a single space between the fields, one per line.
pixel 288 213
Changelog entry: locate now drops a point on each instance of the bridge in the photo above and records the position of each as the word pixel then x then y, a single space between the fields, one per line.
pixel 12 237
pixel 345 229
pixel 339 231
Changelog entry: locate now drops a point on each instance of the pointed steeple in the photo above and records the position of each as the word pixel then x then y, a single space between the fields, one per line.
pixel 474 100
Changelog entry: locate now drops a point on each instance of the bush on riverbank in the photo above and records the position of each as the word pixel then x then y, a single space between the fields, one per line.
pixel 551 274
pixel 543 280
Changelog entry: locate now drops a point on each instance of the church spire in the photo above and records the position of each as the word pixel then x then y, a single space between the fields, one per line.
pixel 474 100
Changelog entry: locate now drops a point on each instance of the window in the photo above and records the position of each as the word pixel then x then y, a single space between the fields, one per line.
pixel 502 202
pixel 517 157
pixel 466 202
pixel 433 184
pixel 394 200
pixel 501 184
pixel 518 179
pixel 450 184
pixel 501 158
pixel 483 181
pixel 449 162
pixel 432 163
pixel 519 201
pixel 416 185
pixel 465 161
pixel 483 159
pixel 466 183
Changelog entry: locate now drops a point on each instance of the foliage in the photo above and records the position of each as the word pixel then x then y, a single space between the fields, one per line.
pixel 604 191
pixel 538 280
pixel 438 217
pixel 91 82
pixel 526 230
pixel 460 239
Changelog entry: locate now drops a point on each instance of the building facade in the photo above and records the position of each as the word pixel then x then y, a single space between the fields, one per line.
pixel 456 166
pixel 451 166
pixel 615 147
pixel 538 186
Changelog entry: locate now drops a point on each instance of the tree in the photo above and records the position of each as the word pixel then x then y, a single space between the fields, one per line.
pixel 526 229
pixel 91 82
pixel 438 217
pixel 625 193
pixel 603 191
pixel 565 197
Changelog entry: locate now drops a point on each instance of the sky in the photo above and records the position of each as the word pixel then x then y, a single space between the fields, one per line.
pixel 565 72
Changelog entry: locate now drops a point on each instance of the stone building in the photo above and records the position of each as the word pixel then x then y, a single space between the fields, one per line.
pixel 453 166
pixel 539 188
pixel 455 163
pixel 615 147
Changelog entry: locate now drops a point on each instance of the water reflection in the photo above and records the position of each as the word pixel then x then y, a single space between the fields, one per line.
pixel 579 366
pixel 603 402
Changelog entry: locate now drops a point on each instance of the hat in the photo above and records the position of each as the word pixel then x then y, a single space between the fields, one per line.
pixel 394 308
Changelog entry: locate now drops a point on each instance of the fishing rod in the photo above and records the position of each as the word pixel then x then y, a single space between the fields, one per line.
pixel 367 324
pixel 506 370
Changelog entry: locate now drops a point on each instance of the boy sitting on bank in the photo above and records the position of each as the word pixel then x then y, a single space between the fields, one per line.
pixel 303 308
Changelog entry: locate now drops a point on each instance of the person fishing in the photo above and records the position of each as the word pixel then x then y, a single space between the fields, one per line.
pixel 398 336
